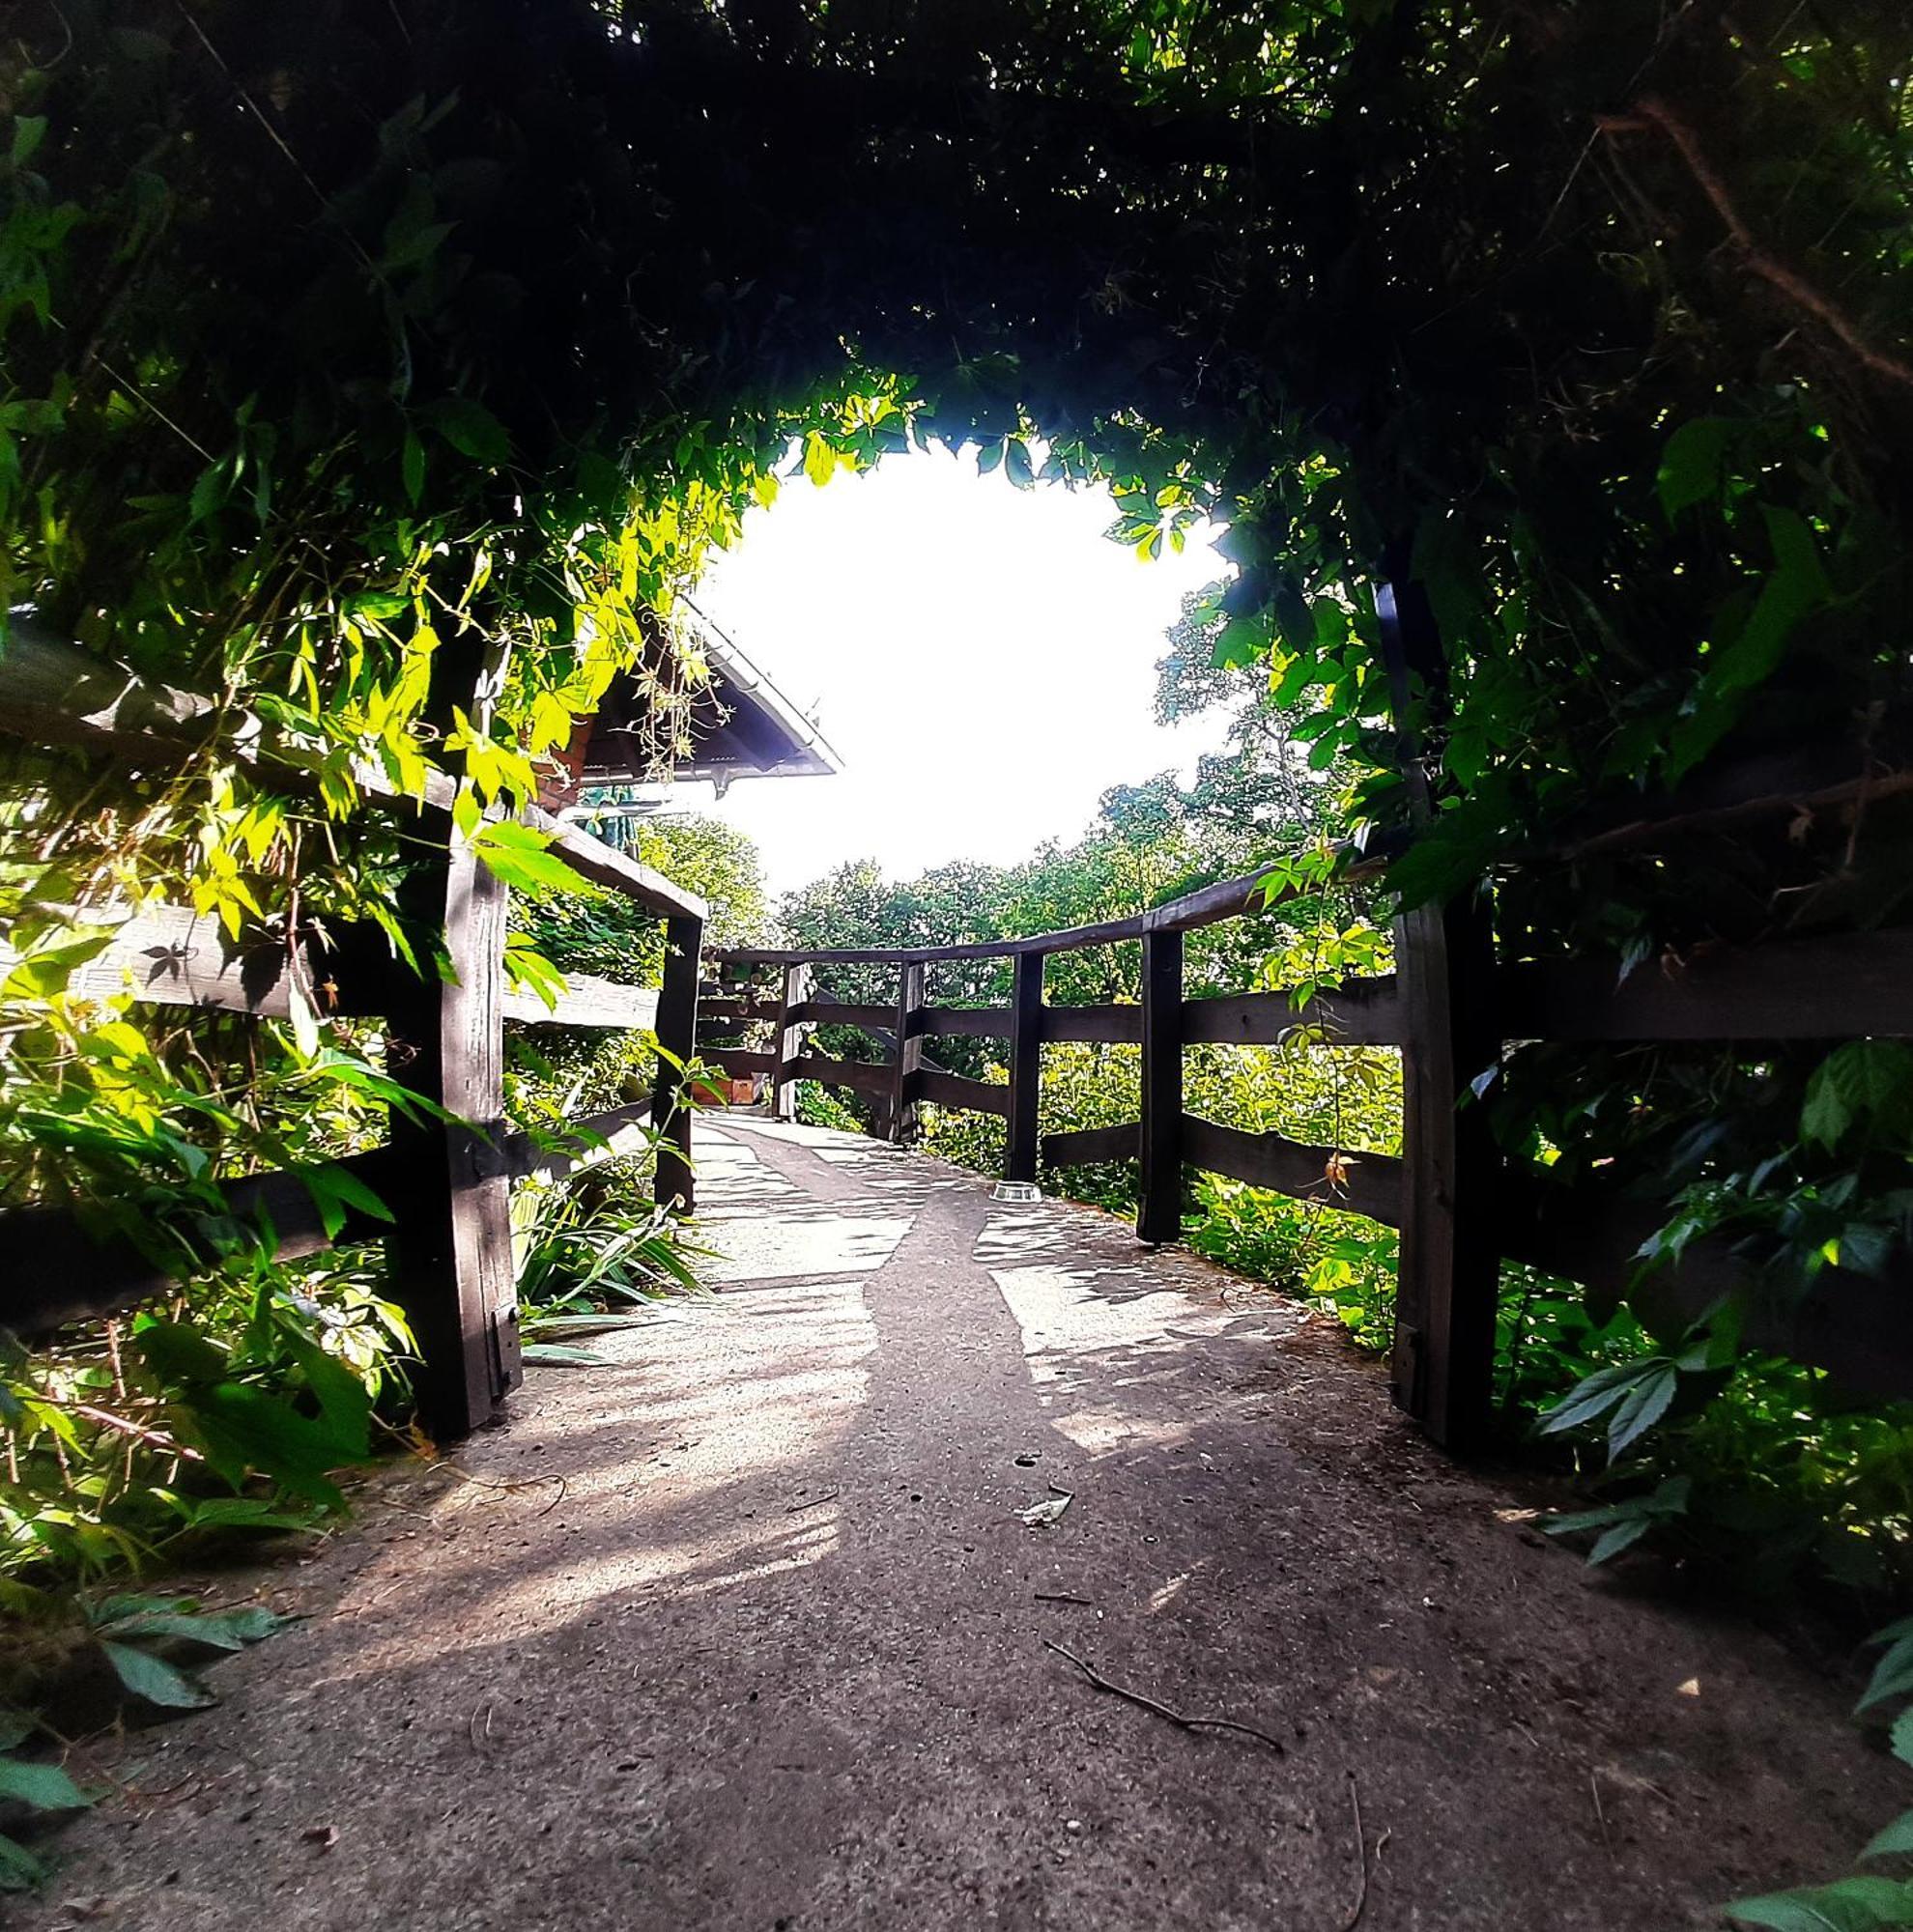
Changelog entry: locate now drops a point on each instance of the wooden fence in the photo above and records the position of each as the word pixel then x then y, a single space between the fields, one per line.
pixel 1452 1009
pixel 446 1175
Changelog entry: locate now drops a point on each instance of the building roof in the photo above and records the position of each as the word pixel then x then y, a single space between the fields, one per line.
pixel 743 729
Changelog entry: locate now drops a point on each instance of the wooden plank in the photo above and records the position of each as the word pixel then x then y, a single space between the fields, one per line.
pixel 51 692
pixel 1020 1152
pixel 845 1013
pixel 171 956
pixel 1363 1013
pixel 583 1142
pixel 861 1076
pixel 1160 1198
pixel 792 1036
pixel 962 1095
pixel 1857 1328
pixel 450 1252
pixel 1365 1183
pixel 1444 960
pixel 587 1002
pixel 677 1039
pixel 971 1022
pixel 1839 986
pixel 1108 1025
pixel 61 1269
pixel 606 865
pixel 1081 1147
pixel 907 1058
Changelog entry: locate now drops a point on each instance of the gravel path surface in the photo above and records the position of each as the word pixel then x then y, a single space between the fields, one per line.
pixel 746 1631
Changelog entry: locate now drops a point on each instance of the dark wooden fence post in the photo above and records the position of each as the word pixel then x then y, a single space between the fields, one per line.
pixel 672 1105
pixel 792 1031
pixel 1160 1204
pixel 449 1252
pixel 1449 1275
pixel 1019 1159
pixel 910 1052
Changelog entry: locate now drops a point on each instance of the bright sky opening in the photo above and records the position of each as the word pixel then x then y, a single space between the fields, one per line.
pixel 981 656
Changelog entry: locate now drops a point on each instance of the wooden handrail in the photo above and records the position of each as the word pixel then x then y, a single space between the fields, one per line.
pixel 1228 898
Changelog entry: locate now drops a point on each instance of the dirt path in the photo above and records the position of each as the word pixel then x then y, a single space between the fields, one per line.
pixel 745 1633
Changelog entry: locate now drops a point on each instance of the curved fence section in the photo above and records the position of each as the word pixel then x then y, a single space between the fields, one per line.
pixel 1453 1009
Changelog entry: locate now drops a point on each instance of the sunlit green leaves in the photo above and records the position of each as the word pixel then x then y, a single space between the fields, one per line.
pixel 522 857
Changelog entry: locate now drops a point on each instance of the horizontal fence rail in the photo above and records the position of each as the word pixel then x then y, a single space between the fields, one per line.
pixel 72 1266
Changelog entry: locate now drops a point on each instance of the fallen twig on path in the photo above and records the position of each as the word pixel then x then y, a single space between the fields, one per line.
pixel 828 1496
pixel 1148 1703
pixel 1353 1918
pixel 1063 1597
pixel 1600 1811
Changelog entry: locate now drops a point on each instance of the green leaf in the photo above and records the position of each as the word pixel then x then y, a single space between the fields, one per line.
pixel 20 1869
pixel 521 858
pixel 244 1427
pixel 1691 464
pixel 1796 586
pixel 1641 1408
pixel 1892 1841
pixel 1623 1536
pixel 334 1188
pixel 29 130
pixel 471 429
pixel 1590 1398
pixel 1893 1675
pixel 44 974
pixel 1849 1905
pixel 1864 1079
pixel 344 1399
pixel 178 1352
pixel 218 1630
pixel 43 1786
pixel 1017 464
pixel 819 459
pixel 1901 1736
pixel 136 44
pixel 1294 619
pixel 156 1680
pixel 411 461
